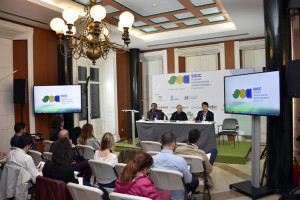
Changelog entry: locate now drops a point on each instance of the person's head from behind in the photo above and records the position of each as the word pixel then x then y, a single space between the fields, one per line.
pixel 179 108
pixel 20 128
pixel 25 142
pixel 62 152
pixel 63 134
pixel 168 141
pixel 107 142
pixel 205 106
pixel 194 136
pixel 77 131
pixel 153 106
pixel 57 122
pixel 86 133
pixel 141 163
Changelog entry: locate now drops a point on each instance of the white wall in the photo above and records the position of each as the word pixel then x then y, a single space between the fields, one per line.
pixel 7 117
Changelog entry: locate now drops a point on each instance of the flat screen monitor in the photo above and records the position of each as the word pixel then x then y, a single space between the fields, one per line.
pixel 253 94
pixel 57 99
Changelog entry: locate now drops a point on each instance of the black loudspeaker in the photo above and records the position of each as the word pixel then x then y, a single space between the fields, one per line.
pixel 20 91
pixel 293 78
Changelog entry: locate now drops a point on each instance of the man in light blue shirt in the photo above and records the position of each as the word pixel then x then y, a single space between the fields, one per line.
pixel 168 160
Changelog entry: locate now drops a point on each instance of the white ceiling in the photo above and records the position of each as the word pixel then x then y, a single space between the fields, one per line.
pixel 246 15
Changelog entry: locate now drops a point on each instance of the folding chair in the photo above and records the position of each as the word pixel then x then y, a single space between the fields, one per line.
pixel 120 196
pixel 47 156
pixel 87 152
pixel 36 156
pixel 104 171
pixel 152 153
pixel 167 179
pixel 230 126
pixel 81 192
pixel 119 167
pixel 150 146
pixel 47 144
pixel 51 189
pixel 197 165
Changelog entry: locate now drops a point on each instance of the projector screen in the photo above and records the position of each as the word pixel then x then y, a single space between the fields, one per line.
pixel 57 99
pixel 252 94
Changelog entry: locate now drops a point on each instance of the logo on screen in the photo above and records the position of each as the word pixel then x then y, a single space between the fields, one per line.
pixel 51 99
pixel 242 93
pixel 179 79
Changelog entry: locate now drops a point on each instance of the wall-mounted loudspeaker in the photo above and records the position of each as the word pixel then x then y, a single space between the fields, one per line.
pixel 293 78
pixel 20 91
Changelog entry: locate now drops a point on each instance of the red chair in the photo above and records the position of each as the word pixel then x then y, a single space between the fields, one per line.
pixel 47 188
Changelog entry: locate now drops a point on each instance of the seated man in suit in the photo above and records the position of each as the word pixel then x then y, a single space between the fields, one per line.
pixel 205 114
pixel 154 113
pixel 179 115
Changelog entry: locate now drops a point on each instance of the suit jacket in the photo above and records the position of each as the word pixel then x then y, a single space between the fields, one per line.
pixel 159 113
pixel 209 116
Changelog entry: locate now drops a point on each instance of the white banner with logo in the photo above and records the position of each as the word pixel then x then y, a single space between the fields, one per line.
pixel 191 89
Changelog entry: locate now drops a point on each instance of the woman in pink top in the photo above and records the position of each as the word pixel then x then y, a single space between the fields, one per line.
pixel 134 180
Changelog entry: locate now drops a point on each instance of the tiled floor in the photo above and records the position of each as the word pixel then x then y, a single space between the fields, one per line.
pixel 225 174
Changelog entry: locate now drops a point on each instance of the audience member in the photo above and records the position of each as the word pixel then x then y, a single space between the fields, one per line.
pixel 168 160
pixel 57 124
pixel 105 154
pixel 78 162
pixel 20 129
pixel 2 155
pixel 192 149
pixel 134 180
pixel 87 137
pixel 19 156
pixel 60 166
pixel 75 134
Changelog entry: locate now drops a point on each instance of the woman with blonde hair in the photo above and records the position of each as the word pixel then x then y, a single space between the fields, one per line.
pixel 133 179
pixel 105 154
pixel 87 137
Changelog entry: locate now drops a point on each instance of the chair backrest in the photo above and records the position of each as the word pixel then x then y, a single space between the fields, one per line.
pixel 36 156
pixel 229 124
pixel 120 196
pixel 150 146
pixel 47 144
pixel 152 153
pixel 195 162
pixel 119 167
pixel 47 155
pixel 167 179
pixel 86 151
pixel 81 192
pixel 51 189
pixel 103 170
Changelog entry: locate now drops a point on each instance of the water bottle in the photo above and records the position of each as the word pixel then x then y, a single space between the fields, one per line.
pixel 143 118
pixel 165 117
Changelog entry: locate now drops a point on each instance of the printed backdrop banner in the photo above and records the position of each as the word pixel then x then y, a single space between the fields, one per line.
pixel 191 89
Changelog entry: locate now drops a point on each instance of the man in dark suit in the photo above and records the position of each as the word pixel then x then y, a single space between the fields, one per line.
pixel 154 113
pixel 205 114
pixel 179 115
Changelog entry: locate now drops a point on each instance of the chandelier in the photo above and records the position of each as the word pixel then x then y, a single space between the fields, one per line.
pixel 89 35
